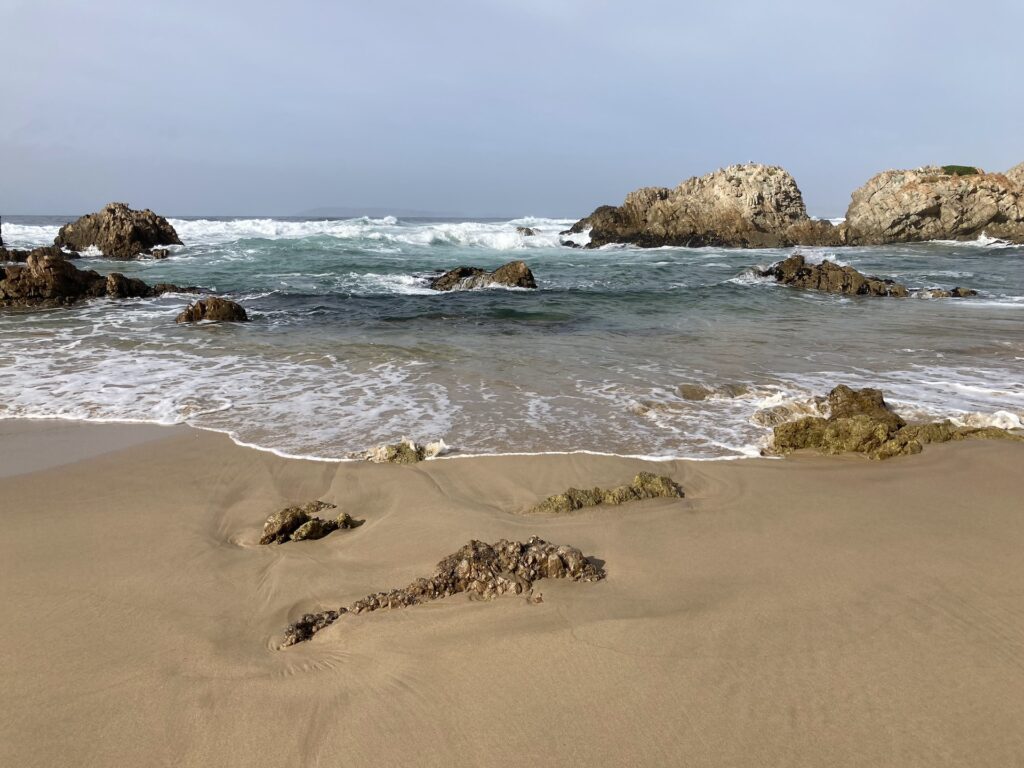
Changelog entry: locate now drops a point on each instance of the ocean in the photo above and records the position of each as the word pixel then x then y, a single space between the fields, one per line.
pixel 668 352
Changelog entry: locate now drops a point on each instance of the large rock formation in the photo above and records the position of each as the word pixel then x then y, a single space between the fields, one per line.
pixel 48 279
pixel 300 523
pixel 830 277
pixel 214 309
pixel 118 231
pixel 936 203
pixel 645 485
pixel 860 421
pixel 745 206
pixel 515 274
pixel 483 570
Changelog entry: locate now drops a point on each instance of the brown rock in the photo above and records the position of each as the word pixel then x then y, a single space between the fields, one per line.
pixel 745 206
pixel 482 570
pixel 299 523
pixel 515 274
pixel 215 309
pixel 953 293
pixel 937 203
pixel 645 485
pixel 20 255
pixel 118 231
pixel 831 278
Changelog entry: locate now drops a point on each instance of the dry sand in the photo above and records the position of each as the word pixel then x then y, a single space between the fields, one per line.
pixel 804 612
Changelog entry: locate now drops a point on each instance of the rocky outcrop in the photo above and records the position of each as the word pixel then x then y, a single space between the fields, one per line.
pixel 405 451
pixel 526 231
pixel 213 309
pixel 48 279
pixel 300 523
pixel 936 203
pixel 118 232
pixel 515 274
pixel 645 485
pixel 744 206
pixel 860 421
pixel 480 569
pixel 17 255
pixel 830 277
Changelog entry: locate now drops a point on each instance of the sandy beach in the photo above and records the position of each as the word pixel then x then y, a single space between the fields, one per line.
pixel 801 612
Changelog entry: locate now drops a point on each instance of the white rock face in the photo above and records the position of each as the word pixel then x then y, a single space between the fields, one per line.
pixel 931 204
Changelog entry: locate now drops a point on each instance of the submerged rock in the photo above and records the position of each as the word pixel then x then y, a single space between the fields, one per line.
pixel 831 278
pixel 405 451
pixel 299 523
pixel 515 274
pixel 744 206
pixel 480 569
pixel 48 279
pixel 645 485
pixel 860 421
pixel 214 309
pixel 118 231
pixel 936 203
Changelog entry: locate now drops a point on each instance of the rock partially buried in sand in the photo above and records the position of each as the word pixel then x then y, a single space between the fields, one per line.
pixel 118 231
pixel 515 274
pixel 405 451
pixel 831 278
pixel 48 279
pixel 743 206
pixel 214 309
pixel 482 570
pixel 300 523
pixel 860 421
pixel 645 485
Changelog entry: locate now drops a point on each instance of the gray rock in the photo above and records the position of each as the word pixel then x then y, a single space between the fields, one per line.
pixel 515 274
pixel 213 308
pixel 118 231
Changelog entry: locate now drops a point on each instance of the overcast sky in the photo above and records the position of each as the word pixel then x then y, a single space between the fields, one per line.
pixel 480 107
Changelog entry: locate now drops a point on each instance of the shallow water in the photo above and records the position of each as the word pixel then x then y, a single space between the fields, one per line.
pixel 348 348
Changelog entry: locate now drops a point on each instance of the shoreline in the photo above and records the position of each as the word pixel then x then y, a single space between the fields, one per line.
pixel 783 612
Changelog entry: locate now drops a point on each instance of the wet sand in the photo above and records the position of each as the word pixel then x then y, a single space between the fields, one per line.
pixel 803 612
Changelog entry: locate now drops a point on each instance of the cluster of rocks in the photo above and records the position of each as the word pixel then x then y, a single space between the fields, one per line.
pixel 20 255
pixel 645 485
pixel 760 206
pixel 300 523
pixel 405 451
pixel 830 277
pixel 49 279
pixel 515 274
pixel 860 421
pixel 480 569
pixel 213 309
pixel 119 233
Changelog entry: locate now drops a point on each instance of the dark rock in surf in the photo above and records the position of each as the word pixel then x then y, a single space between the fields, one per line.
pixel 952 293
pixel 515 274
pixel 118 231
pixel 831 278
pixel 48 279
pixel 18 255
pixel 526 231
pixel 214 309
pixel 860 421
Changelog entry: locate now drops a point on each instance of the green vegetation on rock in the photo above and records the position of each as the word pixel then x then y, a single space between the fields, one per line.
pixel 960 170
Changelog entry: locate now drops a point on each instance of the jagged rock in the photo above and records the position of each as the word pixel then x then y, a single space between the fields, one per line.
pixel 745 206
pixel 860 421
pixel 299 523
pixel 48 279
pixel 645 485
pixel 936 203
pixel 118 231
pixel 21 255
pixel 526 231
pixel 480 569
pixel 831 278
pixel 405 451
pixel 515 274
pixel 213 308
pixel 953 293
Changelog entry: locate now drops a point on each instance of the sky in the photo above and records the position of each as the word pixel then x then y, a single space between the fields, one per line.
pixel 489 107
